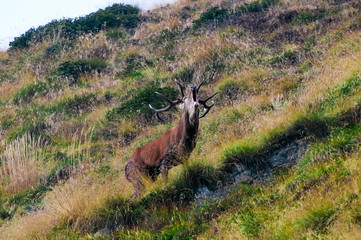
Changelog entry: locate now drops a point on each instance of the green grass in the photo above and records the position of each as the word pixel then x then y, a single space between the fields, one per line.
pixel 307 16
pixel 70 71
pixel 26 94
pixel 267 59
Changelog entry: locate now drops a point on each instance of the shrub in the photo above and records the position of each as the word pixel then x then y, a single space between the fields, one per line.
pixel 287 56
pixel 186 74
pixel 133 64
pixel 138 105
pixel 6 123
pixel 26 94
pixel 115 34
pixel 5 213
pixel 109 95
pixel 118 15
pixel 4 75
pixel 78 104
pixel 24 40
pixel 57 48
pixel 30 196
pixel 231 89
pixel 256 6
pixel 214 14
pixel 307 16
pixel 70 71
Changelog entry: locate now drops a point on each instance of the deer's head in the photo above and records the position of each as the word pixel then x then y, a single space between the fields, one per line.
pixel 188 103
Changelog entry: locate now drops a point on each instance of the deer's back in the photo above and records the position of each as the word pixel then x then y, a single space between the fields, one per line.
pixel 151 153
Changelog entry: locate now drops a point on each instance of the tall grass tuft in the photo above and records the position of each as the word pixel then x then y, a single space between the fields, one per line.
pixel 21 164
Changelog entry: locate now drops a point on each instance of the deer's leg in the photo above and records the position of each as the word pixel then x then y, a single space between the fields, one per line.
pixel 164 172
pixel 164 167
pixel 132 173
pixel 153 173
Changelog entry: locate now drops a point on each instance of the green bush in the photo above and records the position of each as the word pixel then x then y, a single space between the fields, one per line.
pixel 35 127
pixel 213 14
pixel 4 75
pixel 118 15
pixel 231 89
pixel 307 16
pixel 133 64
pixel 29 197
pixel 78 104
pixel 27 93
pixel 71 71
pixel 5 213
pixel 138 105
pixel 56 48
pixel 115 34
pixel 288 56
pixel 24 40
pixel 6 123
pixel 256 6
pixel 109 95
pixel 185 74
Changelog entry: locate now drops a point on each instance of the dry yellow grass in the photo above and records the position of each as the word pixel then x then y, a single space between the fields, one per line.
pixel 170 19
pixel 72 202
pixel 78 198
pixel 21 164
pixel 3 55
pixel 8 89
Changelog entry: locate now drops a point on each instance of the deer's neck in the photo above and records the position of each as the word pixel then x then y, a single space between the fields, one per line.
pixel 187 131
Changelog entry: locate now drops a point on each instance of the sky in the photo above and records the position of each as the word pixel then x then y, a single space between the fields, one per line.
pixel 18 16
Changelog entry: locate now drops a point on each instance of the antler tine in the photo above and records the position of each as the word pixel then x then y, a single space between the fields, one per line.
pixel 180 88
pixel 164 97
pixel 160 117
pixel 171 103
pixel 199 86
pixel 162 109
pixel 205 100
pixel 207 107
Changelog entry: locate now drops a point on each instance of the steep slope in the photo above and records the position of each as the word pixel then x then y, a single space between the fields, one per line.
pixel 277 158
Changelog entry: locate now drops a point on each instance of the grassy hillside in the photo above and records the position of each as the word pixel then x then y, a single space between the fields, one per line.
pixel 276 158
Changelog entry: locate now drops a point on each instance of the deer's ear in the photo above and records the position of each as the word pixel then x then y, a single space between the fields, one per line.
pixel 181 106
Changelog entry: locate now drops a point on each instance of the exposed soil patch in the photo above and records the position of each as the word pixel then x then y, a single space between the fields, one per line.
pixel 283 157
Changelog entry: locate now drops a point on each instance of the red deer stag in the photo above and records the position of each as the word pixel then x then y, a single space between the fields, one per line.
pixel 173 146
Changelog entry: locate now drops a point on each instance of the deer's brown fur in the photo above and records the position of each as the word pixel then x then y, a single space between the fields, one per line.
pixel 170 149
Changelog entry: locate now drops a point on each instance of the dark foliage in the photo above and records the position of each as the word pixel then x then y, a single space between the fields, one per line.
pixel 256 6
pixel 28 92
pixel 212 15
pixel 134 63
pixel 138 105
pixel 70 71
pixel 79 104
pixel 56 48
pixel 118 15
pixel 30 196
pixel 5 213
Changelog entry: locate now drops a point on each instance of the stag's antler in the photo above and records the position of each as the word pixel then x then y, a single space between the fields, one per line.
pixel 204 102
pixel 171 103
